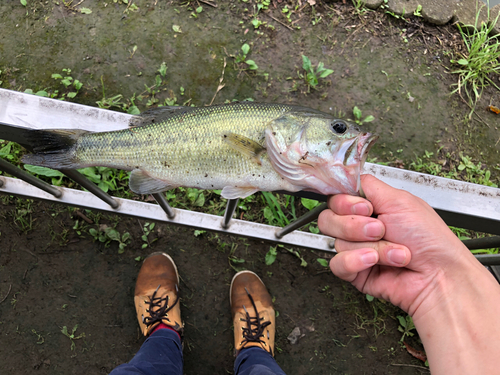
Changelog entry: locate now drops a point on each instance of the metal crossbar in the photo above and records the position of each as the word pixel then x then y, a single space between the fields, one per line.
pixel 459 203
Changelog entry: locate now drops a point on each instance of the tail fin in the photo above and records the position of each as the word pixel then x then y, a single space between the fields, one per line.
pixel 53 148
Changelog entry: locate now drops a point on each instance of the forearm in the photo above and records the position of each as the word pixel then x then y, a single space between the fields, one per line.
pixel 459 325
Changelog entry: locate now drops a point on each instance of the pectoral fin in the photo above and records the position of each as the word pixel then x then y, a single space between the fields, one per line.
pixel 142 183
pixel 245 145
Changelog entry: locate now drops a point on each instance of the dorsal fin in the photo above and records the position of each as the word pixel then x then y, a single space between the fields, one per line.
pixel 156 115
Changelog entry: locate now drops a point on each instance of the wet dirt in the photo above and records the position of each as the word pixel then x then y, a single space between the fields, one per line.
pixel 53 277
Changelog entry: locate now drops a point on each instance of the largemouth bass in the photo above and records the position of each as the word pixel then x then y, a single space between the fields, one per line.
pixel 240 148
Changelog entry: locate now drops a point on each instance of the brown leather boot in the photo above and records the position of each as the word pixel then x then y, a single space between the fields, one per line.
pixel 156 294
pixel 253 313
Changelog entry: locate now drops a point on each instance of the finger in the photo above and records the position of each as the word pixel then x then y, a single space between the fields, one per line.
pixel 347 265
pixel 350 227
pixel 378 192
pixel 389 253
pixel 343 204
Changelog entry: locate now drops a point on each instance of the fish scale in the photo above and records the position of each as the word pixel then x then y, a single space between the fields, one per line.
pixel 185 147
pixel 216 147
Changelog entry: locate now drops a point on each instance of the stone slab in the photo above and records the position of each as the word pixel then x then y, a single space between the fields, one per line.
pixel 494 12
pixel 438 12
pixel 402 7
pixel 466 14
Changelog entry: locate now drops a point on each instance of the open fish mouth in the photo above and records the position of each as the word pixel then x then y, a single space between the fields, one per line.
pixel 358 149
pixel 365 143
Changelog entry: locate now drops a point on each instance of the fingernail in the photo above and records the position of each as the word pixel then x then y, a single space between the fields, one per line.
pixel 369 258
pixel 374 230
pixel 397 256
pixel 361 209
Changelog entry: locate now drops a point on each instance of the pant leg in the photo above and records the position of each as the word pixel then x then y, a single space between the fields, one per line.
pixel 160 354
pixel 256 361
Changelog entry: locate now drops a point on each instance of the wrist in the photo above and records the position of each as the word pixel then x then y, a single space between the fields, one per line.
pixel 457 319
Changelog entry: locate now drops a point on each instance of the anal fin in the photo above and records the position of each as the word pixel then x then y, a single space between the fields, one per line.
pixel 142 183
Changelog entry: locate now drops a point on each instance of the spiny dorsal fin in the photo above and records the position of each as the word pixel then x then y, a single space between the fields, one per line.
pixel 156 115
pixel 245 145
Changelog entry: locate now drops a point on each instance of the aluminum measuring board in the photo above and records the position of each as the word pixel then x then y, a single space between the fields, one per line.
pixel 461 204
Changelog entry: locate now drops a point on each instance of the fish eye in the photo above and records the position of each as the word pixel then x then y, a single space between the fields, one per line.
pixel 339 127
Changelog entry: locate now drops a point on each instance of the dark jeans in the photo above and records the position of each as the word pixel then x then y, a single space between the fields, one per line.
pixel 161 354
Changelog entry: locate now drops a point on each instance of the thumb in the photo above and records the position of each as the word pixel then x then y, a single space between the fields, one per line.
pixel 378 192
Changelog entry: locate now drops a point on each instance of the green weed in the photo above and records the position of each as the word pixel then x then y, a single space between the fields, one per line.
pixel 108 179
pixel 196 12
pixel 242 57
pixel 107 234
pixel 11 151
pixel 303 262
pixel 479 62
pixel 234 261
pixel 406 326
pixel 271 255
pixel 466 169
pixel 272 208
pixel 72 336
pixel 359 6
pixel 22 215
pixel 147 229
pixel 358 116
pixel 68 82
pixel 263 5
pixel 116 102
pixel 323 262
pixel 313 76
pixel 418 11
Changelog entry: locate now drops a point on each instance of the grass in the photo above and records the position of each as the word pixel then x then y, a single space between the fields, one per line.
pixel 481 60
pixel 464 169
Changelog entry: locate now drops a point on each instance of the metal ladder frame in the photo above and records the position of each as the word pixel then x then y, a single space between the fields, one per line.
pixel 460 204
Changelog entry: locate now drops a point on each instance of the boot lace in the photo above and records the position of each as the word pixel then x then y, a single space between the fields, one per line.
pixel 158 308
pixel 255 326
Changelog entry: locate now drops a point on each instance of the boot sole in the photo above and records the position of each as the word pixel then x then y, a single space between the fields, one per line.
pixel 170 258
pixel 234 277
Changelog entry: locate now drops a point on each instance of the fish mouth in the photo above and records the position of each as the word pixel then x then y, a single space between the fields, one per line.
pixel 365 143
pixel 358 149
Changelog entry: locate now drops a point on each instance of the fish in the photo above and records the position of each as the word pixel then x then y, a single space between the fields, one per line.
pixel 239 148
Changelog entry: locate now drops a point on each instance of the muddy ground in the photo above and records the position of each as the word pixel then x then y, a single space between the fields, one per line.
pixel 57 278
pixel 54 275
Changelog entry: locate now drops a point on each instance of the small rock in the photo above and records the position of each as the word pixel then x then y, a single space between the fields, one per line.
pixel 373 4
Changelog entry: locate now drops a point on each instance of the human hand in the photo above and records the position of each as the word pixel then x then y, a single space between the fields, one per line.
pixel 399 256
